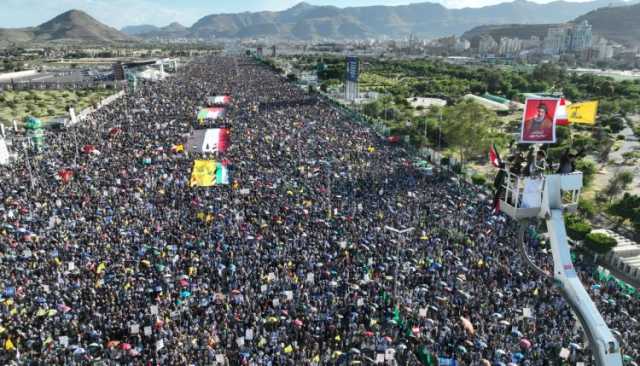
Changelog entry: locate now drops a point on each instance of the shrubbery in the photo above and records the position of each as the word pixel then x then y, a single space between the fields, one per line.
pixel 600 243
pixel 478 179
pixel 577 228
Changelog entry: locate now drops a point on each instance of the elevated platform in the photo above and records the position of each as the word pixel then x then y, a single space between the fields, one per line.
pixel 523 196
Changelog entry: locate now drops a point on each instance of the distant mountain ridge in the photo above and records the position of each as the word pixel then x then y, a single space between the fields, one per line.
pixel 73 25
pixel 430 20
pixel 617 23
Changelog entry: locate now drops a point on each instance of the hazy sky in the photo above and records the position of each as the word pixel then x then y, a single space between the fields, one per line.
pixel 118 13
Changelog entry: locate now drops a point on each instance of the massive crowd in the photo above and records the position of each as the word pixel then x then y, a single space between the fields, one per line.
pixel 294 263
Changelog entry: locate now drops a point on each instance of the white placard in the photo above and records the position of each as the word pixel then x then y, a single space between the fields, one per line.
pixel 360 302
pixel 147 331
pixel 310 277
pixel 526 312
pixel 380 358
pixel 159 345
pixel 276 302
pixel 422 312
pixel 289 295
pixel 240 341
pixel 220 359
pixel 248 334
pixel 154 309
pixel 135 328
pixel 64 341
pixel 564 353
pixel 72 266
pixel 263 288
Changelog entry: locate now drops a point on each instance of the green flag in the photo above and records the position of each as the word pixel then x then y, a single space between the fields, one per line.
pixel 426 357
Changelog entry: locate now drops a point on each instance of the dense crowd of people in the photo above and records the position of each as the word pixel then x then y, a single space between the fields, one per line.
pixel 328 247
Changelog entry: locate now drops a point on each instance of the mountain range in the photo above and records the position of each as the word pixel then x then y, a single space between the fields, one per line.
pixel 73 25
pixel 429 20
pixel 617 23
pixel 310 22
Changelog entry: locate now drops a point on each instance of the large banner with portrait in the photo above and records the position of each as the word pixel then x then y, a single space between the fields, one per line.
pixel 539 121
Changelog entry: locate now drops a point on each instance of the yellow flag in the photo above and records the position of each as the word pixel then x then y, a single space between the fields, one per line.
pixel 288 349
pixel 101 267
pixel 584 112
pixel 204 173
pixel 8 345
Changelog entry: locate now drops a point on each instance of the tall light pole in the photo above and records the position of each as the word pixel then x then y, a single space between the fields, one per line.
pixel 400 233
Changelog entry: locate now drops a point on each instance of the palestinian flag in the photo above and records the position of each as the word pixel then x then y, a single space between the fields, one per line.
pixel 222 173
pixel 211 113
pixel 211 140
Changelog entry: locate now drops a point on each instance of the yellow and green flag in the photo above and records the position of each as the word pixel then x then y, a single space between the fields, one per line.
pixel 203 174
pixel 583 112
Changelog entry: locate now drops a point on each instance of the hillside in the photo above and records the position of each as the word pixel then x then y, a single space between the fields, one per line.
pixel 617 23
pixel 521 31
pixel 173 30
pixel 620 24
pixel 310 22
pixel 73 25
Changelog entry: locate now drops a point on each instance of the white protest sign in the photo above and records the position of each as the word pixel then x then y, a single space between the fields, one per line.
pixel 380 358
pixel 135 328
pixel 154 309
pixel 422 312
pixel 289 295
pixel 159 345
pixel 147 331
pixel 564 353
pixel 240 341
pixel 248 334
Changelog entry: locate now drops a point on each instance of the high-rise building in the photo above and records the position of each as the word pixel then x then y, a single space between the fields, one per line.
pixel 487 45
pixel 509 46
pixel 605 51
pixel 556 41
pixel 568 38
pixel 580 36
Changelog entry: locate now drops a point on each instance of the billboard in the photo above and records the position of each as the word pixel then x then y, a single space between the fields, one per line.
pixel 539 121
pixel 353 69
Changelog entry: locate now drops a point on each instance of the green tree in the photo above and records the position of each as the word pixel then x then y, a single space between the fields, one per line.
pixel 600 243
pixel 588 169
pixel 627 208
pixel 467 127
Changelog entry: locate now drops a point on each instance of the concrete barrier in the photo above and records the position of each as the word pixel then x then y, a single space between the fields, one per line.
pixel 106 101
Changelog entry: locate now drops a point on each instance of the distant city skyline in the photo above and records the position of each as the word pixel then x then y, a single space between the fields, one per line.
pixel 20 13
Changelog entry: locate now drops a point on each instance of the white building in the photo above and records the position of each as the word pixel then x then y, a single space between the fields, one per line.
pixel 487 45
pixel 509 46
